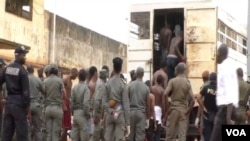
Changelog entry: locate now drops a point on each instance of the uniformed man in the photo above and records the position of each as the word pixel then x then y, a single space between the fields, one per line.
pixel 227 96
pixel 36 89
pixel 18 100
pixel 207 102
pixel 46 70
pixel 179 109
pixel 2 99
pixel 80 105
pixel 98 109
pixel 244 93
pixel 40 73
pixel 66 122
pixel 116 105
pixel 54 93
pixel 139 107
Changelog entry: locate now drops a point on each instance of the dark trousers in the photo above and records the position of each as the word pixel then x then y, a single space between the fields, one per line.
pixel 172 62
pixel 207 128
pixel 151 134
pixel 15 120
pixel 220 119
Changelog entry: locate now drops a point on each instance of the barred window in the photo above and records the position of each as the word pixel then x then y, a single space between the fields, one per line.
pixel 21 8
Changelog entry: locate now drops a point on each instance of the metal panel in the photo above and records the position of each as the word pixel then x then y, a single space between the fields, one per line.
pixel 139 51
pixel 200 38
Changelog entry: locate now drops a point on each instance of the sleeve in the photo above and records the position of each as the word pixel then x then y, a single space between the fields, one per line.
pixel 72 97
pixel 106 99
pixel 2 78
pixel 203 91
pixel 41 87
pixel 98 100
pixel 169 87
pixel 125 104
pixel 232 88
pixel 25 88
pixel 86 101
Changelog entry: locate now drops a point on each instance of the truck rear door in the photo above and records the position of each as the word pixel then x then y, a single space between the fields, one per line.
pixel 200 39
pixel 139 51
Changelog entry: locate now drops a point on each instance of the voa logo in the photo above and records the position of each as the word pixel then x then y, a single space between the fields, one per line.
pixel 236 132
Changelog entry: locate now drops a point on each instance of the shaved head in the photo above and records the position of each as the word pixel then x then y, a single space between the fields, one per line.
pixel 222 53
pixel 180 68
pixel 239 72
pixel 30 68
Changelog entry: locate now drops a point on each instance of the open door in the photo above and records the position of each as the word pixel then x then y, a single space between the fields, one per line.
pixel 201 42
pixel 139 51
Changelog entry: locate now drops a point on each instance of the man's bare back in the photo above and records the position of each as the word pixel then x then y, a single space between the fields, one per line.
pixel 163 74
pixel 158 91
pixel 92 86
pixel 175 47
pixel 68 85
pixel 165 37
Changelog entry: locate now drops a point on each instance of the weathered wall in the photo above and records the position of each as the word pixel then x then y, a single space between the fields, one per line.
pixel 30 33
pixel 80 47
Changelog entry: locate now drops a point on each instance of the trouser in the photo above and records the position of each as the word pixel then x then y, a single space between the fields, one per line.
pixel 207 128
pixel 220 119
pixel 137 125
pixel 177 121
pixel 98 132
pixel 241 114
pixel 157 135
pixel 36 122
pixel 114 128
pixel 15 120
pixel 172 62
pixel 53 117
pixel 150 131
pixel 80 127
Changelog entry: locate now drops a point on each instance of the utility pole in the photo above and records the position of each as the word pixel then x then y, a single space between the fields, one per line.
pixel 54 35
pixel 248 42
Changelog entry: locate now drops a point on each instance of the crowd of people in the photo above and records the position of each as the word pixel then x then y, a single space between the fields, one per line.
pixel 108 108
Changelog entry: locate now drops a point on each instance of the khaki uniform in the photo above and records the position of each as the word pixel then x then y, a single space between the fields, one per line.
pixel 115 127
pixel 36 88
pixel 138 93
pixel 244 92
pixel 181 92
pixel 80 105
pixel 53 111
pixel 99 92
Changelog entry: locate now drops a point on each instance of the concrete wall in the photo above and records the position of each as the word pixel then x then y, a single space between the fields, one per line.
pixel 80 47
pixel 30 33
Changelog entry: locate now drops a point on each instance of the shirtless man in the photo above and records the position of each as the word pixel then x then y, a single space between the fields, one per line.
pixel 152 123
pixel 165 38
pixel 161 72
pixel 174 56
pixel 93 76
pixel 158 92
pixel 66 122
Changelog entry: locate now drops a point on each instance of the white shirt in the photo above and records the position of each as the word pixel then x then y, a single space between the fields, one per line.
pixel 227 84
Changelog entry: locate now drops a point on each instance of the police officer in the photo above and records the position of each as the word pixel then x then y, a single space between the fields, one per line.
pixel 207 102
pixel 179 108
pixel 244 93
pixel 98 110
pixel 116 105
pixel 139 107
pixel 54 91
pixel 18 100
pixel 36 89
pixel 80 105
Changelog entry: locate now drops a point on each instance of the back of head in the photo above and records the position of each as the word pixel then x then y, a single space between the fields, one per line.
pixel 82 75
pixel 117 64
pixel 92 71
pixel 53 69
pixel 177 30
pixel 30 68
pixel 74 71
pixel 222 53
pixel 205 75
pixel 147 83
pixel 180 68
pixel 239 72
pixel 132 74
pixel 106 68
pixel 213 77
pixel 139 72
pixel 160 79
pixel 103 74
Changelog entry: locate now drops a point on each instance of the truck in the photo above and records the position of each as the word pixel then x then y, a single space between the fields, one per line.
pixel 205 26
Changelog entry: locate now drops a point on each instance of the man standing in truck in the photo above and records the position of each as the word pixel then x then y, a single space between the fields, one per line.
pixel 175 56
pixel 165 39
pixel 163 73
